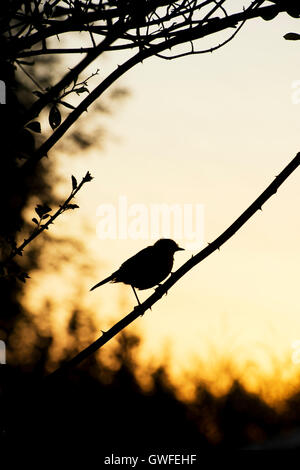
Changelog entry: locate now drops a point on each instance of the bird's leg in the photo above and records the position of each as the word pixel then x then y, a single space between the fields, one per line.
pixel 136 295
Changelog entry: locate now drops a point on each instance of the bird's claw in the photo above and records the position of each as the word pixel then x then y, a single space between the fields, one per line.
pixel 159 286
pixel 137 307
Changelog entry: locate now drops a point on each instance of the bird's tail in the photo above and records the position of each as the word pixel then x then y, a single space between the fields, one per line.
pixel 107 279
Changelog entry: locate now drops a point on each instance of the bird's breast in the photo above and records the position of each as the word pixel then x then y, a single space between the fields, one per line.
pixel 147 272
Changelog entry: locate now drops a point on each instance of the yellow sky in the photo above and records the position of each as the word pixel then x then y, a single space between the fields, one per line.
pixel 213 129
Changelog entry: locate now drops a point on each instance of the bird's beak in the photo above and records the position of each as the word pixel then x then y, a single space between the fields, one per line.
pixel 180 249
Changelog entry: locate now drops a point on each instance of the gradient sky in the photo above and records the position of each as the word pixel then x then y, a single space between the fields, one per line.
pixel 212 129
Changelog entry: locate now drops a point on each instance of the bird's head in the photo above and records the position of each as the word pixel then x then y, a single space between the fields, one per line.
pixel 167 245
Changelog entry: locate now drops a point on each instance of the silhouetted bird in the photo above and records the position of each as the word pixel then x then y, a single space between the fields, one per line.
pixel 147 268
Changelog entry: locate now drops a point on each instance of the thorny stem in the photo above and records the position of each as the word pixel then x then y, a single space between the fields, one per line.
pixel 40 228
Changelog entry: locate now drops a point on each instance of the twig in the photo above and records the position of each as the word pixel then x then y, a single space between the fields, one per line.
pixel 184 36
pixel 119 29
pixel 40 228
pixel 75 50
pixel 186 267
pixel 204 51
pixel 78 50
pixel 68 78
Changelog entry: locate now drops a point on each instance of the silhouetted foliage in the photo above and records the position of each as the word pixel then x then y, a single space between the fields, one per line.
pixel 93 411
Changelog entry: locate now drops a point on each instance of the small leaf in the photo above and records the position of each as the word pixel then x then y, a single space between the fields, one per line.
pixel 35 220
pixel 74 182
pixel 54 117
pixel 81 90
pixel 88 177
pixel 34 126
pixel 67 105
pixel 292 37
pixel 293 9
pixel 269 15
pixel 42 209
pixel 71 206
pixel 38 210
pixel 45 216
pixel 46 208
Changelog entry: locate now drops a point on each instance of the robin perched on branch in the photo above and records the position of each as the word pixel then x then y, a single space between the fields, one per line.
pixel 147 268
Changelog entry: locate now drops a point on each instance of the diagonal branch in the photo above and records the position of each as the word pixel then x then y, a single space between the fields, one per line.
pixel 186 267
pixel 203 51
